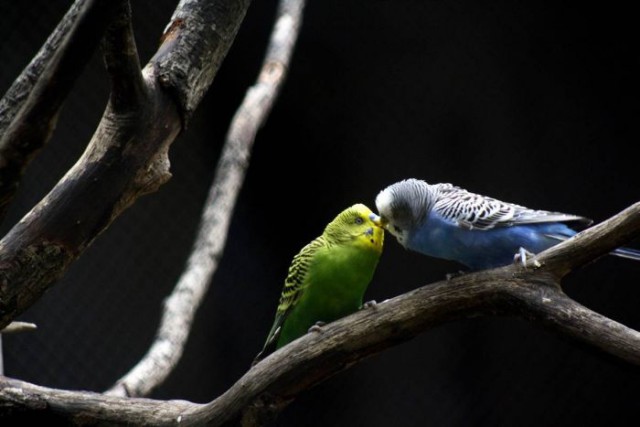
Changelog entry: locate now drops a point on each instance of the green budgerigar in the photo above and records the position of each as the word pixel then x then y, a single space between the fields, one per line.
pixel 328 277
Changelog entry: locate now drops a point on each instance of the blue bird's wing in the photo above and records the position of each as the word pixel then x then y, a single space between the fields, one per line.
pixel 476 212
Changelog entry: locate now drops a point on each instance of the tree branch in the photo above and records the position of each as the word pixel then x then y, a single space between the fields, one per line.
pixel 81 407
pixel 128 90
pixel 17 327
pixel 555 310
pixel 180 307
pixel 270 385
pixel 29 110
pixel 200 29
pixel 125 159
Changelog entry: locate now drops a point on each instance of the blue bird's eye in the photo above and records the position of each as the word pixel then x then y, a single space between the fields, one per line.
pixel 359 220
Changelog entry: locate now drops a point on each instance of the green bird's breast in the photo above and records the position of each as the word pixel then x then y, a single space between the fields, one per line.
pixel 334 285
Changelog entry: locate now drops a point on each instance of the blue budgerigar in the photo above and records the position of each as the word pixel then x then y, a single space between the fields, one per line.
pixel 445 221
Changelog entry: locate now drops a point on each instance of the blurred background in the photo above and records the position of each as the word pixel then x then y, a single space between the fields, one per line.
pixel 530 102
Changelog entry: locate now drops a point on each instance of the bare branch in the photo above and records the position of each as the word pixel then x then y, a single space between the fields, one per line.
pixel 279 378
pixel 181 306
pixel 199 31
pixel 125 159
pixel 531 293
pixel 558 312
pixel 17 327
pixel 29 110
pixel 122 62
pixel 82 407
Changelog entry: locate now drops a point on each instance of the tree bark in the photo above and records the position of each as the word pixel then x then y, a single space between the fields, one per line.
pixel 127 156
pixel 29 110
pixel 533 294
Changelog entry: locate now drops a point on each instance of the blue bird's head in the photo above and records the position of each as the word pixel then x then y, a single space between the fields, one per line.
pixel 403 207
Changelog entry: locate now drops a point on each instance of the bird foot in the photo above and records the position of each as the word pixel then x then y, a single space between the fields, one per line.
pixel 458 273
pixel 317 327
pixel 369 304
pixel 521 257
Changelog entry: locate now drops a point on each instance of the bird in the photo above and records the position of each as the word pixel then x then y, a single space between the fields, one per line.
pixel 327 279
pixel 479 232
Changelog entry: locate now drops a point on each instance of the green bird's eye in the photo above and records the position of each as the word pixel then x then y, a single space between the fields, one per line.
pixel 359 220
pixel 398 229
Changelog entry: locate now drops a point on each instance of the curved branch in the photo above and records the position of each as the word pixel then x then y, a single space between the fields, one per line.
pixel 17 327
pixel 126 158
pixel 29 110
pixel 83 407
pixel 279 378
pixel 560 313
pixel 531 293
pixel 287 372
pixel 180 307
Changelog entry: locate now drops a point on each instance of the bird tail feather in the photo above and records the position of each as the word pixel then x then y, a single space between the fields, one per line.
pixel 628 253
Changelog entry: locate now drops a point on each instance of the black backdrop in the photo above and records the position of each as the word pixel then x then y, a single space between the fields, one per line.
pixel 531 102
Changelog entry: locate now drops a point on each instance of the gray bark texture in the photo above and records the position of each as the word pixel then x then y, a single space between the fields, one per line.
pixel 127 156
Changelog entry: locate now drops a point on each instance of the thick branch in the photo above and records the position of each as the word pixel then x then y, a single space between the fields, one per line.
pixel 277 379
pixel 270 385
pixel 29 109
pixel 199 31
pixel 181 306
pixel 127 157
pixel 82 408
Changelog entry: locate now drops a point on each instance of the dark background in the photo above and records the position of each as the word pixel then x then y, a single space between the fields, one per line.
pixel 531 102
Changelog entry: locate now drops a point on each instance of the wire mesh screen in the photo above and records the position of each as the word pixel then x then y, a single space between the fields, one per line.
pixel 518 100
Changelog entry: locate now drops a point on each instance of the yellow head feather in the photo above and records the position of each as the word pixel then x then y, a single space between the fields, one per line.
pixel 356 225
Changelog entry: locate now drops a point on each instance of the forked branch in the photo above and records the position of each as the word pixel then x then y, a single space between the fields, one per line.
pixel 29 110
pixel 127 156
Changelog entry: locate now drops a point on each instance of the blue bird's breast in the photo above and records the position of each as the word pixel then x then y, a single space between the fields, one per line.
pixel 481 249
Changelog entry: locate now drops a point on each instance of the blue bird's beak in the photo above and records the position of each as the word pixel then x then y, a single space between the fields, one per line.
pixel 377 220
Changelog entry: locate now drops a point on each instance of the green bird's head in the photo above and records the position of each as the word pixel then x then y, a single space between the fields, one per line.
pixel 357 225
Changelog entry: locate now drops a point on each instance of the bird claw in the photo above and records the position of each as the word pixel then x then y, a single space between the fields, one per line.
pixel 317 327
pixel 369 304
pixel 521 257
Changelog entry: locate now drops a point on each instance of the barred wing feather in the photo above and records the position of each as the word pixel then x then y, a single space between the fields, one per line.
pixel 294 286
pixel 474 211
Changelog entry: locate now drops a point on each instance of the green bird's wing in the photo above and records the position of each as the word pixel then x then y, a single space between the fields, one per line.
pixel 294 286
